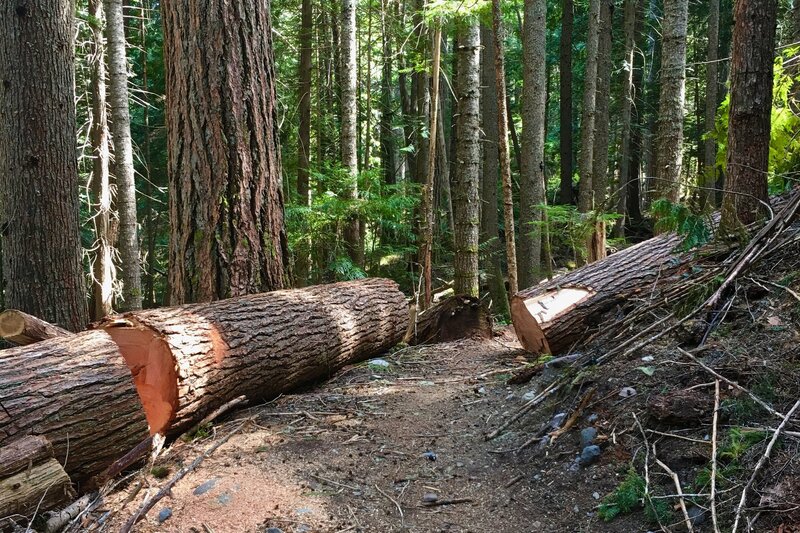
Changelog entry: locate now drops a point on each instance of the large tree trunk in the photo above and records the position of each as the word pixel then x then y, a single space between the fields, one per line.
pixel 31 479
pixel 629 24
pixel 302 261
pixel 490 237
pixel 669 137
pixel 349 134
pixel 531 191
pixel 226 202
pixel 549 318
pixel 597 240
pixel 38 169
pixel 128 237
pixel 103 271
pixel 566 195
pixel 750 112
pixel 709 176
pixel 586 158
pixel 498 34
pixel 466 183
pixel 186 362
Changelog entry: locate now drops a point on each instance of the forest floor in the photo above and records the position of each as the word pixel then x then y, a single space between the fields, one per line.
pixel 400 444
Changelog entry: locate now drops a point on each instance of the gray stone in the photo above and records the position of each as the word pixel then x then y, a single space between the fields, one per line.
pixel 589 455
pixel 274 530
pixel 378 363
pixel 164 515
pixel 205 487
pixel 596 495
pixel 697 515
pixel 592 418
pixel 224 498
pixel 430 497
pixel 528 396
pixel 627 392
pixel 557 420
pixel 587 436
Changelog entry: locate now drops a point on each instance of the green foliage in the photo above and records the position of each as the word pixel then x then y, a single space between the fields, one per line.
pixel 159 472
pixel 680 219
pixel 569 229
pixel 784 150
pixel 630 496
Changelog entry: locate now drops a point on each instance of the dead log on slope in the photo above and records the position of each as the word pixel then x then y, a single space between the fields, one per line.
pixel 455 317
pixel 550 317
pixel 77 391
pixel 31 478
pixel 22 329
pixel 258 346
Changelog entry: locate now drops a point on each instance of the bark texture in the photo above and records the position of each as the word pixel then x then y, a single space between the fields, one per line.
pixel 669 135
pixel 629 25
pixel 302 261
pixel 22 328
pixel 77 392
pixel 263 345
pixel 588 113
pixel 349 133
pixel 750 112
pixel 709 176
pixel 566 194
pixel 490 237
pixel 128 238
pixel 103 271
pixel 227 234
pixel 38 167
pixel 597 240
pixel 534 95
pixel 549 318
pixel 30 478
pixel 498 35
pixel 466 203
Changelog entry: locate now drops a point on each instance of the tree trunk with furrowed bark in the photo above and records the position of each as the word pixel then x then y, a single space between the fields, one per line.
pixel 184 362
pixel 549 318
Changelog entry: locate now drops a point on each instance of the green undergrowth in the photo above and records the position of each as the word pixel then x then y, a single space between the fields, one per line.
pixel 630 496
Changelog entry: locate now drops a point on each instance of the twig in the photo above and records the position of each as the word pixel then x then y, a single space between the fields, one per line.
pixel 150 502
pixel 551 389
pixel 513 481
pixel 574 416
pixel 761 462
pixel 218 412
pixel 674 436
pixel 679 490
pixel 456 501
pixel 399 509
pixel 714 458
pixel 787 289
pixel 735 385
pixel 123 462
pixel 58 520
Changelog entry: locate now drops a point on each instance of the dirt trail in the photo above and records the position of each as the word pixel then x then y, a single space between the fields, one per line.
pixel 361 451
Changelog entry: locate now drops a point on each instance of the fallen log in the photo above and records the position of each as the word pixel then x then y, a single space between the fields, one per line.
pixel 77 392
pixel 22 329
pixel 185 362
pixel 31 479
pixel 550 317
pixel 259 346
pixel 455 317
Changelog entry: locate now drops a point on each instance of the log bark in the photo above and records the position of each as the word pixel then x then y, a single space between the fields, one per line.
pixel 22 328
pixel 77 392
pixel 259 346
pixel 454 318
pixel 31 478
pixel 549 318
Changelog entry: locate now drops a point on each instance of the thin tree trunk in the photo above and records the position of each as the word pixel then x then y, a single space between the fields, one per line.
pixel 388 148
pixel 42 267
pixel 669 137
pixel 586 160
pixel 532 194
pixel 490 238
pixel 226 204
pixel 349 135
pixel 498 34
pixel 629 24
pixel 596 247
pixel 512 131
pixel 566 195
pixel 152 216
pixel 709 176
pixel 304 132
pixel 130 274
pixel 368 89
pixel 103 265
pixel 428 218
pixel 466 203
pixel 752 55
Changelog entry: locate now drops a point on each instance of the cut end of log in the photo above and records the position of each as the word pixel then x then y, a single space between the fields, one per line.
pixel 529 314
pixel 152 365
pixel 11 323
pixel 454 318
pixel 23 329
